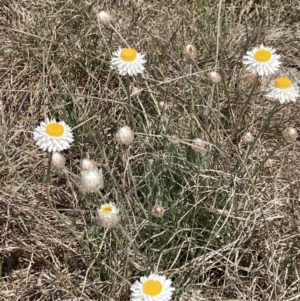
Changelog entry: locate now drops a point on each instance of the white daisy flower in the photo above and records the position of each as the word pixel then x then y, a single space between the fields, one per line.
pixel 262 60
pixel 53 136
pixel 283 89
pixel 152 288
pixel 108 215
pixel 128 61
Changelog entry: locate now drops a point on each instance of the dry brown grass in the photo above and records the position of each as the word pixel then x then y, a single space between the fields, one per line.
pixel 230 231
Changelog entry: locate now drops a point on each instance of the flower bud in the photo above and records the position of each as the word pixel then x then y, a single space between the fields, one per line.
pixel 163 105
pixel 108 215
pixel 95 137
pixel 198 144
pixel 174 139
pixel 124 135
pixel 91 177
pixel 248 137
pixel 189 51
pixel 57 161
pixel 104 17
pixel 87 164
pixel 290 134
pixel 214 77
pixel 158 210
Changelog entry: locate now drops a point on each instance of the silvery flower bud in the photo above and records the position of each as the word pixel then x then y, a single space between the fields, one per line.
pixel 189 51
pixel 95 137
pixel 214 77
pixel 87 164
pixel 174 139
pixel 290 134
pixel 57 161
pixel 248 137
pixel 158 210
pixel 198 144
pixel 163 105
pixel 91 177
pixel 124 135
pixel 104 17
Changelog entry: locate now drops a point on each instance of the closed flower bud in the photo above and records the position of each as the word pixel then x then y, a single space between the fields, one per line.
pixel 87 164
pixel 174 139
pixel 108 215
pixel 158 210
pixel 57 161
pixel 198 144
pixel 163 105
pixel 189 51
pixel 248 137
pixel 214 77
pixel 91 177
pixel 95 137
pixel 124 135
pixel 104 17
pixel 290 134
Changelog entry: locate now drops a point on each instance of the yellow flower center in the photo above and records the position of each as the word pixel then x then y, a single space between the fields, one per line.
pixel 152 287
pixel 107 210
pixel 262 55
pixel 128 54
pixel 283 83
pixel 55 129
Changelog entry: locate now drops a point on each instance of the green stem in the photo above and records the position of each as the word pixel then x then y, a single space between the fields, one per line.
pixel 127 87
pixel 192 106
pixel 246 105
pixel 48 177
pixel 127 162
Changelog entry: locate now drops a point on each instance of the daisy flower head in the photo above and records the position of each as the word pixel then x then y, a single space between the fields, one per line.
pixel 108 215
pixel 283 89
pixel 128 61
pixel 53 136
pixel 152 288
pixel 262 60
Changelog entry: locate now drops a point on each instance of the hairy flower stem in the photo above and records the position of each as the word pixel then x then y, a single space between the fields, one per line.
pixel 127 88
pixel 244 109
pixel 48 177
